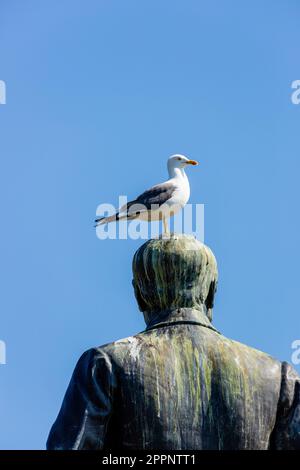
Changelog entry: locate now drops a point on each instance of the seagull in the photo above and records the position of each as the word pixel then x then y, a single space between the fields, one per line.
pixel 161 201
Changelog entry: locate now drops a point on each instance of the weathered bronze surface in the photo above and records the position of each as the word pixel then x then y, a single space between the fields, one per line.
pixel 180 384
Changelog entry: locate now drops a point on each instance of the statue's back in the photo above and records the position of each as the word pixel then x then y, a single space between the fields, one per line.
pixel 185 386
pixel 179 384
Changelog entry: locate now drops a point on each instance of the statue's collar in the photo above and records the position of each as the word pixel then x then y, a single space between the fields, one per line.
pixel 178 316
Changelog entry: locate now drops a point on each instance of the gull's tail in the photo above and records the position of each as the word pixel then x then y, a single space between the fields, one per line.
pixel 123 213
pixel 106 220
pixel 115 217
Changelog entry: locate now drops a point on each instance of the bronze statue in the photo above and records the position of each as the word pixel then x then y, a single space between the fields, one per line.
pixel 180 384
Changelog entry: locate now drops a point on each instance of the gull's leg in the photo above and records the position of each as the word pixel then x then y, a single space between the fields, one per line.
pixel 166 226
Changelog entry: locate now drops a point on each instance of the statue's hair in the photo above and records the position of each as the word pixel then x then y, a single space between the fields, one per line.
pixel 174 273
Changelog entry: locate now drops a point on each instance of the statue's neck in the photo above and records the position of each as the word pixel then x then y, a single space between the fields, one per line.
pixel 185 315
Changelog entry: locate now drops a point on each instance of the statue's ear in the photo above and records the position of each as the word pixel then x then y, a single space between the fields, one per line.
pixel 209 302
pixel 139 298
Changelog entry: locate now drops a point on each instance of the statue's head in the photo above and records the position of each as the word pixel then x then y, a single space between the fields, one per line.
pixel 179 272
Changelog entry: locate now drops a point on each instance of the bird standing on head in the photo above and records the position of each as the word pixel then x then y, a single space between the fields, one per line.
pixel 162 200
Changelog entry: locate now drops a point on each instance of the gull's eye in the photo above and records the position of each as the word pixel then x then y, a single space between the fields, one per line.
pixel 179 159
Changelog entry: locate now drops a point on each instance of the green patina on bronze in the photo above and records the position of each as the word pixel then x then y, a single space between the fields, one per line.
pixel 175 272
pixel 179 384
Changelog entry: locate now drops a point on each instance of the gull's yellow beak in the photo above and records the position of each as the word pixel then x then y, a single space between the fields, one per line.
pixel 192 162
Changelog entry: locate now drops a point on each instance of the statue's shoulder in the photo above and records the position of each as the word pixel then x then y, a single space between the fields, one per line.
pixel 121 348
pixel 215 347
pixel 253 357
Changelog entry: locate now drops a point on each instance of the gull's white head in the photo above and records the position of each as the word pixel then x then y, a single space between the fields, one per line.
pixel 179 161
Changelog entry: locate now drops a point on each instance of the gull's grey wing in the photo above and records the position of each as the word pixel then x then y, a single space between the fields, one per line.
pixel 157 195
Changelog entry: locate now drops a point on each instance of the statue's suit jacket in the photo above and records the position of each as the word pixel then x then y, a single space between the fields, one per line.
pixel 179 385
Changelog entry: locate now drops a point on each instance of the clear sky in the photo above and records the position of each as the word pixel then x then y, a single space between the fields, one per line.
pixel 99 94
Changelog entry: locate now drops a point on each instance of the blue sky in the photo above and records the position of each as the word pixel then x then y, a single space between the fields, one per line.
pixel 99 94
